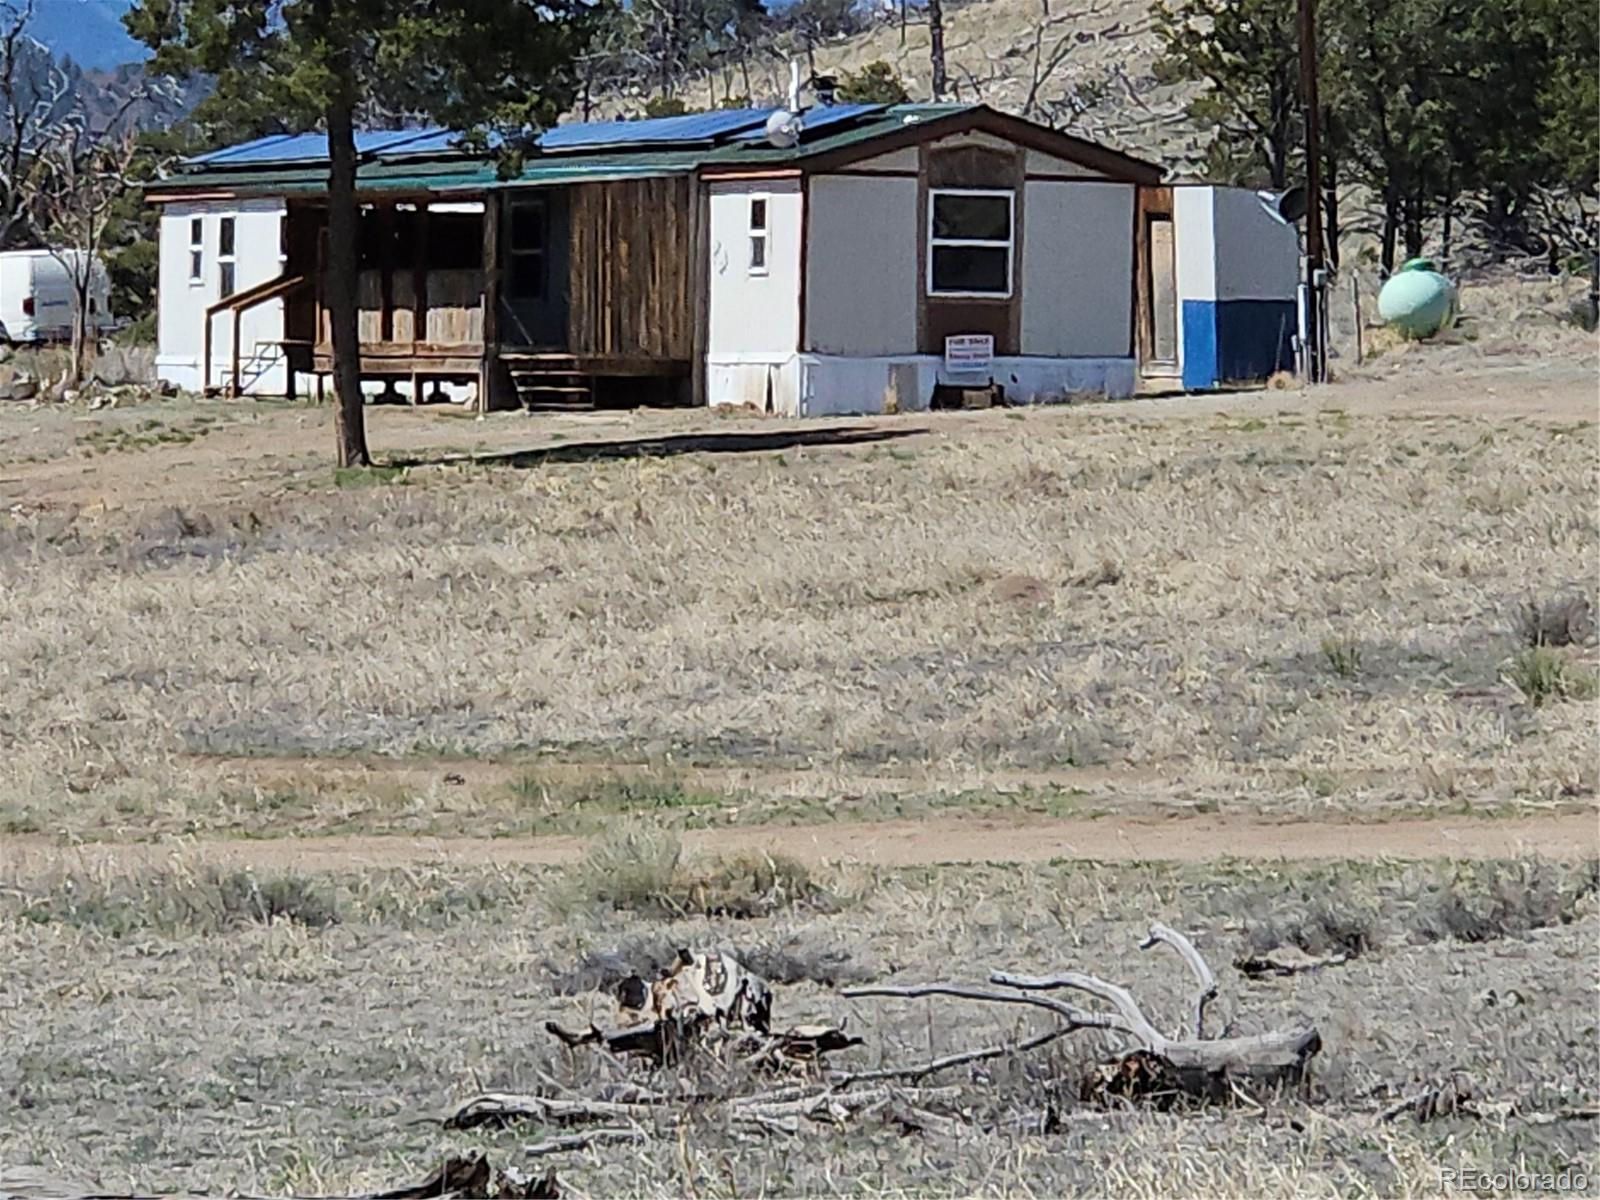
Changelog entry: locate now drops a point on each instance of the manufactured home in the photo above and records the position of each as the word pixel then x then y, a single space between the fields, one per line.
pixel 846 258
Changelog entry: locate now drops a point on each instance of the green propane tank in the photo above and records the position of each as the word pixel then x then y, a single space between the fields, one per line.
pixel 1417 300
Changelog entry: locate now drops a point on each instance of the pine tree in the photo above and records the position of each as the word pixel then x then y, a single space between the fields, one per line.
pixel 1245 56
pixel 304 64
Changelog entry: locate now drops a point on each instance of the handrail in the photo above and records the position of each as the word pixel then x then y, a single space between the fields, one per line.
pixel 238 303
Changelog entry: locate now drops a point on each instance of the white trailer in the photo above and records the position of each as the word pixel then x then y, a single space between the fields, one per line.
pixel 36 295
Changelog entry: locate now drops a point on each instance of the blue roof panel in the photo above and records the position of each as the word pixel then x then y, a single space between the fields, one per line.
pixel 823 117
pixel 313 147
pixel 710 128
pixel 656 131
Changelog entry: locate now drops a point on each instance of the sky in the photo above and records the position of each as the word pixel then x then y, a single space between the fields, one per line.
pixel 89 32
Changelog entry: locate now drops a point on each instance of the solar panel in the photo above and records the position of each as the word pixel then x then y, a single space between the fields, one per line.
pixel 313 147
pixel 814 119
pixel 228 152
pixel 693 127
pixel 739 124
pixel 436 141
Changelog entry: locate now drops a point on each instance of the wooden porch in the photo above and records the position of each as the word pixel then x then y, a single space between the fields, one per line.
pixel 549 297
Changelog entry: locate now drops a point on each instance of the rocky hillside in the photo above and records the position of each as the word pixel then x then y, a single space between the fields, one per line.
pixel 1086 68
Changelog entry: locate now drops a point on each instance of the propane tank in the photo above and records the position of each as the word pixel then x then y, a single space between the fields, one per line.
pixel 1417 300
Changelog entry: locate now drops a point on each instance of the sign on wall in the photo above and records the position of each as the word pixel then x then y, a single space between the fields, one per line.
pixel 969 352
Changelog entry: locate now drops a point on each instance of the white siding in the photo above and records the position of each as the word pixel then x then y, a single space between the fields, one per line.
pixel 861 281
pixel 1077 269
pixel 182 304
pixel 1196 247
pixel 754 317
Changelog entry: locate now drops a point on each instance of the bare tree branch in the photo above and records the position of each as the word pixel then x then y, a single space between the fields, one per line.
pixel 1202 972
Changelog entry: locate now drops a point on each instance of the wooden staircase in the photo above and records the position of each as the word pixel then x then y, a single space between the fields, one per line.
pixel 550 382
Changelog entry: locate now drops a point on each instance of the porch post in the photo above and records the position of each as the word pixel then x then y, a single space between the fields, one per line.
pixel 419 278
pixel 385 215
pixel 491 300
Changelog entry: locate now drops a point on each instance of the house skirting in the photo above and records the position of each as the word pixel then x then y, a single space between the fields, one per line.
pixel 262 374
pixel 1236 341
pixel 820 385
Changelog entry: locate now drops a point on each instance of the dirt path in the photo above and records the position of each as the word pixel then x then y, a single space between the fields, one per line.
pixel 894 844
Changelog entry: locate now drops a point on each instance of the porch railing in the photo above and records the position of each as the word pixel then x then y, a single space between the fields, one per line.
pixel 238 304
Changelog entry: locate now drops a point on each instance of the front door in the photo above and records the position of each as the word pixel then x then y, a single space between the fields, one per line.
pixel 1161 288
pixel 535 260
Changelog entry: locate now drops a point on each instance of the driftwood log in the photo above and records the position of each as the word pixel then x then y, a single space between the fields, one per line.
pixel 780 1111
pixel 1154 1064
pixel 472 1177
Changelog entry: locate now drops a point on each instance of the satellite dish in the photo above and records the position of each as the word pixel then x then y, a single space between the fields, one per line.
pixel 1287 207
pixel 783 129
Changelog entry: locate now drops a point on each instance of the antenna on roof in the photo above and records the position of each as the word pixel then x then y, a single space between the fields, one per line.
pixel 783 126
pixel 783 129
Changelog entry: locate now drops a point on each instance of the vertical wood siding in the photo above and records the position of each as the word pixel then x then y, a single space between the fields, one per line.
pixel 630 271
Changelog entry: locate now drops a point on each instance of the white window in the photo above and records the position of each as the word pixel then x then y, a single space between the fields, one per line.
pixel 197 250
pixel 971 236
pixel 225 258
pixel 758 235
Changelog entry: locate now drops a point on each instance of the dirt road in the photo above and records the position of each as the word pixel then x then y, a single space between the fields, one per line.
pixel 892 844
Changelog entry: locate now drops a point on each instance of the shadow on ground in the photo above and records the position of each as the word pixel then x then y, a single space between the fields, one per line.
pixel 667 447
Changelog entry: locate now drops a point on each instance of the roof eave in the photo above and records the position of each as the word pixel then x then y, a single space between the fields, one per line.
pixel 1113 164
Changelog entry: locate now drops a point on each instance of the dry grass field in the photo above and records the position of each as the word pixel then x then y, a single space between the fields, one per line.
pixel 163 1037
pixel 300 767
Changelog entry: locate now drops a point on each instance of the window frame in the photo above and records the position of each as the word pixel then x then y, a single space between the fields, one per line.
pixel 539 253
pixel 758 234
pixel 1008 244
pixel 197 251
pixel 227 264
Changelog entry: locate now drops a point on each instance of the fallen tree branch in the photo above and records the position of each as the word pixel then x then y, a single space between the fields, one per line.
pixel 1076 1017
pixel 1155 1067
pixel 843 1079
pixel 1438 1100
pixel 780 1111
pixel 504 1108
pixel 582 1141
pixel 1130 1017
pixel 1286 960
pixel 1197 964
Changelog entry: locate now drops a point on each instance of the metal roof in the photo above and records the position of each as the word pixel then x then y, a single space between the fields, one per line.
pixel 816 118
pixel 433 160
pixel 313 147
pixel 692 127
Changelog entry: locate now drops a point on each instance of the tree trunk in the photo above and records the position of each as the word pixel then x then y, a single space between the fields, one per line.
pixel 1390 222
pixel 344 216
pixel 1413 226
pixel 1448 230
pixel 1330 188
pixel 936 48
pixel 80 332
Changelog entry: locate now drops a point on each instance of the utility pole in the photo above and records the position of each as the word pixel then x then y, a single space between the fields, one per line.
pixel 1316 360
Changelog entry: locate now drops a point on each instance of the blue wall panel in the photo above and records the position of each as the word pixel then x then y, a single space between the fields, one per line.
pixel 1199 343
pixel 1236 341
pixel 1254 339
